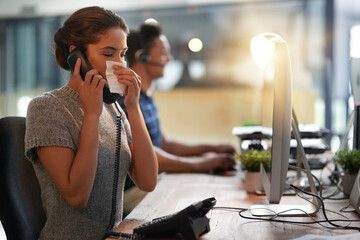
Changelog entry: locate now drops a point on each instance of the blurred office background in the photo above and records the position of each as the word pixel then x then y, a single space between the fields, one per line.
pixel 209 90
pixel 213 84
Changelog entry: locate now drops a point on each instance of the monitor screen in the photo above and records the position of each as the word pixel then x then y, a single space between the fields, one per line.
pixel 355 90
pixel 281 123
pixel 284 120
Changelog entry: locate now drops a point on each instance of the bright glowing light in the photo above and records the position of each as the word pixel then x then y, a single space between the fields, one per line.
pixel 262 48
pixel 22 105
pixel 151 21
pixel 354 42
pixel 195 45
pixel 197 69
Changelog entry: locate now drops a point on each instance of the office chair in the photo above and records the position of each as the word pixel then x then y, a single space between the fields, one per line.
pixel 21 211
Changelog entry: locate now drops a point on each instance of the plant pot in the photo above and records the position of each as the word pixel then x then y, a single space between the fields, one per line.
pixel 253 182
pixel 347 182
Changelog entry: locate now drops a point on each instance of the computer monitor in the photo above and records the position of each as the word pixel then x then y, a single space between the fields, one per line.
pixel 284 120
pixel 355 90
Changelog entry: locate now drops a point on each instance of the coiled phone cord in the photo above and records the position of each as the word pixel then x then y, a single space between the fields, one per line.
pixel 109 231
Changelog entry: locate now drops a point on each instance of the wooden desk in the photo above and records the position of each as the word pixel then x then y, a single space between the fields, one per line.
pixel 176 191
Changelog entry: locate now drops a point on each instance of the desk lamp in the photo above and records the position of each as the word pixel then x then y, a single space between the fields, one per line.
pixel 266 49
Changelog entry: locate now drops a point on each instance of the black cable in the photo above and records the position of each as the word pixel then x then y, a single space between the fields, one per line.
pixel 229 208
pixel 323 210
pixel 296 222
pixel 272 219
pixel 116 176
pixel 336 226
pixel 337 185
pixel 343 209
pixel 127 236
pixel 275 220
pixel 109 232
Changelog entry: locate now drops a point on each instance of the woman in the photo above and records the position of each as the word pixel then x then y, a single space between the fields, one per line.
pixel 71 133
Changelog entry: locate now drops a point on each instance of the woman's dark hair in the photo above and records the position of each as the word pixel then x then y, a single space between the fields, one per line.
pixel 141 39
pixel 83 27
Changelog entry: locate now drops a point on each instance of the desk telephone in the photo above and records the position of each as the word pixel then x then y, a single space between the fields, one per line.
pixel 79 52
pixel 190 223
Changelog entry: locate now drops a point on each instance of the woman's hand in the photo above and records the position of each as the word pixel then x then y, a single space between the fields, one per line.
pixel 90 90
pixel 132 81
pixel 225 148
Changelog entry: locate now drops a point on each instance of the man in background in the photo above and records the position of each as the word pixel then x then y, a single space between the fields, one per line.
pixel 148 52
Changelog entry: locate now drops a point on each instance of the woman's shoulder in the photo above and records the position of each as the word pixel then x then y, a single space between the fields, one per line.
pixel 53 98
pixel 47 102
pixel 44 100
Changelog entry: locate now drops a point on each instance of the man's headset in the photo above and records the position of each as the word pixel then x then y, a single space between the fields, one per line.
pixel 143 56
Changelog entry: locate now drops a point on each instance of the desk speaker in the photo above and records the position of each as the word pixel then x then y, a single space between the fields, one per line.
pixel 355 194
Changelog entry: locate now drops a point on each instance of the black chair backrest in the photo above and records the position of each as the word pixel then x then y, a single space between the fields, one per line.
pixel 21 211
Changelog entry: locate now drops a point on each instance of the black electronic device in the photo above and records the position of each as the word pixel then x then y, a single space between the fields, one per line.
pixel 190 223
pixel 79 52
pixel 356 126
pixel 355 90
pixel 142 54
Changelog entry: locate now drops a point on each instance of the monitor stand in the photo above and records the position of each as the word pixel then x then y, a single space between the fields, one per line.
pixel 290 210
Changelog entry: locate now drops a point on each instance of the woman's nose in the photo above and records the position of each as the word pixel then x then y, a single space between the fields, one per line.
pixel 119 59
pixel 169 57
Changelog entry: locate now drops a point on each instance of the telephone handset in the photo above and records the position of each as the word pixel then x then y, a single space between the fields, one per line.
pixel 79 52
pixel 190 223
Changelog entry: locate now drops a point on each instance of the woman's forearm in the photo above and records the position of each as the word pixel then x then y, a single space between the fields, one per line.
pixel 144 168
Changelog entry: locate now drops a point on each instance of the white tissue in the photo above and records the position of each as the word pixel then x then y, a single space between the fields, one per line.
pixel 114 85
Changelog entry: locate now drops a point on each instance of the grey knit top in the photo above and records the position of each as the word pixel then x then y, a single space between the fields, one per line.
pixel 55 119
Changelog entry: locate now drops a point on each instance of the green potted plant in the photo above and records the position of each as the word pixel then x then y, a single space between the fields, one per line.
pixel 250 161
pixel 349 162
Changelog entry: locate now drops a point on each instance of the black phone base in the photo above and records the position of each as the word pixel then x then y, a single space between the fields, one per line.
pixel 191 229
pixel 189 223
pixel 194 228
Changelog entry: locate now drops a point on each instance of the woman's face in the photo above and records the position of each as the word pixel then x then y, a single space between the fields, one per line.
pixel 111 47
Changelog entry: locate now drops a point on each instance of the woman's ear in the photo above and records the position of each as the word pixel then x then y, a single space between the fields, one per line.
pixel 71 48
